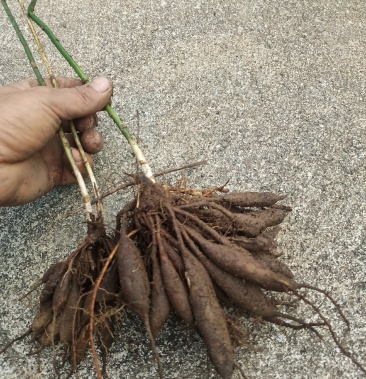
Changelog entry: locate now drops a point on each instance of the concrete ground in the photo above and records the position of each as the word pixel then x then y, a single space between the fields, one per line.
pixel 272 94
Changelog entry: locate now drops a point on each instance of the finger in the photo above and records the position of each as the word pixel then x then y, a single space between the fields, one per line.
pixel 80 101
pixel 62 82
pixel 7 89
pixel 41 110
pixel 79 160
pixel 68 175
pixel 92 96
pixel 81 124
pixel 85 123
pixel 92 141
pixel 66 82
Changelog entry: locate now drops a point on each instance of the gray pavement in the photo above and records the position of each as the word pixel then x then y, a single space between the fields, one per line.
pixel 272 94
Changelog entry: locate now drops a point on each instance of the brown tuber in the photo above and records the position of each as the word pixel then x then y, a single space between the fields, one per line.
pixel 175 252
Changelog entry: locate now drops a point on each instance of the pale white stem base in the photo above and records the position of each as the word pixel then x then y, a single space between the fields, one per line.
pixel 146 169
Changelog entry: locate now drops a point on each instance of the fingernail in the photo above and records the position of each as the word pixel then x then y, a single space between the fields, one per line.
pixel 100 84
pixel 76 155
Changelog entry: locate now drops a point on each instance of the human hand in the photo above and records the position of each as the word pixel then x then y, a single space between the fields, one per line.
pixel 32 159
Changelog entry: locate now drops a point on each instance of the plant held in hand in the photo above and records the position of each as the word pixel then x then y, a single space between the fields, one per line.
pixel 175 251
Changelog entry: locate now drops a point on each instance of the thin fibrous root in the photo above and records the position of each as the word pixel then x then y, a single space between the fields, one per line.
pixel 91 323
pixel 241 371
pixel 346 352
pixel 19 338
pixel 329 297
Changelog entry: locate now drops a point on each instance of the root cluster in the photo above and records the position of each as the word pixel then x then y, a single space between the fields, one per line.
pixel 175 252
pixel 67 300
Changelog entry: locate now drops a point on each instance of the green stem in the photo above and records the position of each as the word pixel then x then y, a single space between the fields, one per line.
pixel 72 125
pixel 111 112
pixel 64 141
pixel 24 43
pixel 39 44
pixel 56 42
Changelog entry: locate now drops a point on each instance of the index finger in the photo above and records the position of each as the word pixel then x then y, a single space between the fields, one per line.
pixel 62 82
pixel 22 85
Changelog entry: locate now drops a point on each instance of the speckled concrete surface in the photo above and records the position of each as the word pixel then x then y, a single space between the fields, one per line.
pixel 272 94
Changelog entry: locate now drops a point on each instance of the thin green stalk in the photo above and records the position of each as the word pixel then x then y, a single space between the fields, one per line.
pixel 56 42
pixel 64 141
pixel 111 112
pixel 39 44
pixel 24 43
pixel 52 76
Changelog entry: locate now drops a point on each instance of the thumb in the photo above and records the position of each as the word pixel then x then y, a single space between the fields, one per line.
pixel 80 101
